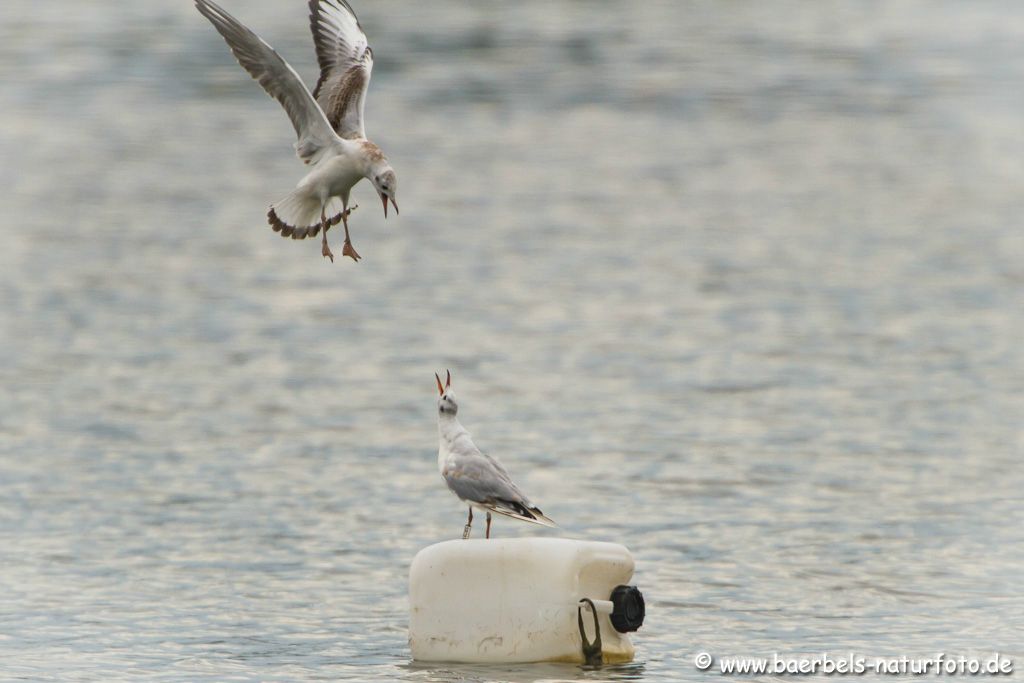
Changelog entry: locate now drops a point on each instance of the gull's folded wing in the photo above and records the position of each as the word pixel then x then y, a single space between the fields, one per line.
pixel 475 478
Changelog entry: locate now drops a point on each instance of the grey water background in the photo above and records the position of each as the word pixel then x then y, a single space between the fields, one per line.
pixel 737 285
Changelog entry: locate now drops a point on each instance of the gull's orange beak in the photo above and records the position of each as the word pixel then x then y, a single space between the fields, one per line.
pixel 440 389
pixel 384 201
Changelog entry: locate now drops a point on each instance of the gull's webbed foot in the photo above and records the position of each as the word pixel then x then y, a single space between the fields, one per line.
pixel 349 251
pixel 326 250
pixel 324 225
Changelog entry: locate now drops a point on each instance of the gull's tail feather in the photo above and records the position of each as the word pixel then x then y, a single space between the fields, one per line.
pixel 540 518
pixel 298 215
pixel 521 512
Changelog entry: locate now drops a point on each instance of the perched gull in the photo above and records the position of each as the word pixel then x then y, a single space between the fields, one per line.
pixel 475 477
pixel 328 122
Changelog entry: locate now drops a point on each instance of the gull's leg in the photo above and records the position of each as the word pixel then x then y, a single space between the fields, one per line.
pixel 348 250
pixel 469 524
pixel 488 525
pixel 324 249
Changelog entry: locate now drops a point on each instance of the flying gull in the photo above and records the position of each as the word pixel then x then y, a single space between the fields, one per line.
pixel 476 478
pixel 328 121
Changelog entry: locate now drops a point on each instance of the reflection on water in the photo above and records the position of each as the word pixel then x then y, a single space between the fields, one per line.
pixel 737 286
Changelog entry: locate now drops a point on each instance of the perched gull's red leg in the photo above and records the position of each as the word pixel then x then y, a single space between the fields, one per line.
pixel 469 524
pixel 488 525
pixel 325 250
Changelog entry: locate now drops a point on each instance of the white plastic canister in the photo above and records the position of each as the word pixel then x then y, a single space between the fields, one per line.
pixel 515 600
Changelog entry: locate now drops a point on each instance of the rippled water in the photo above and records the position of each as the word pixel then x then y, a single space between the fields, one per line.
pixel 736 285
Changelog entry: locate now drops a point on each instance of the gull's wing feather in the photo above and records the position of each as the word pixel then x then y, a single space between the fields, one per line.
pixel 346 62
pixel 480 479
pixel 277 77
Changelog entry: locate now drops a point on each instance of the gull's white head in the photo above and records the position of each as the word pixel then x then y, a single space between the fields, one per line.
pixel 386 184
pixel 446 405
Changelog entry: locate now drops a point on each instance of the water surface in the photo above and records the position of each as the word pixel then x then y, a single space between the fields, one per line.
pixel 736 285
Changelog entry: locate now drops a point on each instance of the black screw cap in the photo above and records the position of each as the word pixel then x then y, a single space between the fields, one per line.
pixel 628 612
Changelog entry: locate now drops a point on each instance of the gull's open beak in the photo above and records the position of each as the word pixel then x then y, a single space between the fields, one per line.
pixel 384 201
pixel 440 389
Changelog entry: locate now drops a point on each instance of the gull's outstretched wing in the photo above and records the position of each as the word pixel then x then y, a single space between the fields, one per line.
pixel 478 478
pixel 346 62
pixel 277 78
